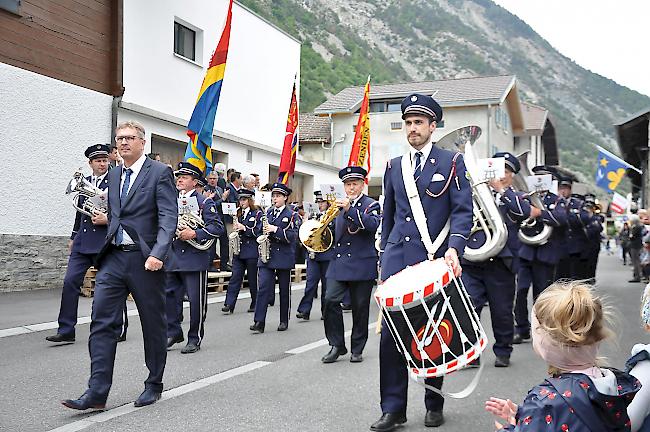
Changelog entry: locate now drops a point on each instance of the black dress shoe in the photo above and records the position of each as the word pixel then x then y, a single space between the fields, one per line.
pixel 388 422
pixel 334 353
pixel 356 358
pixel 58 338
pixel 251 308
pixel 283 326
pixel 147 397
pixel 86 401
pixel 346 307
pixel 634 280
pixel 190 348
pixel 122 338
pixel 174 340
pixel 227 309
pixel 301 315
pixel 502 361
pixel 433 418
pixel 520 338
pixel 257 327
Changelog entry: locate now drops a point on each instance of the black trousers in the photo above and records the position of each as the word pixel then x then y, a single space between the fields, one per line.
pixel 122 273
pixel 360 300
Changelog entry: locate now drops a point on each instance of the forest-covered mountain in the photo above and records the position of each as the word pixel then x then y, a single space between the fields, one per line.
pixel 409 40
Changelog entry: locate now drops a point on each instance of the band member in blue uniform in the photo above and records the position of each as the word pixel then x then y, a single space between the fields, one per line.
pixel 537 262
pixel 353 267
pixel 86 240
pixel 569 265
pixel 277 258
pixel 446 195
pixel 142 219
pixel 493 280
pixel 317 264
pixel 248 227
pixel 187 267
pixel 593 229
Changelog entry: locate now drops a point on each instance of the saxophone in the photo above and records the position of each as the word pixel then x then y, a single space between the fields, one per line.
pixel 234 243
pixel 263 241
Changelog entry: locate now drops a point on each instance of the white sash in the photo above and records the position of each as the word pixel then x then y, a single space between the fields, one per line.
pixel 418 211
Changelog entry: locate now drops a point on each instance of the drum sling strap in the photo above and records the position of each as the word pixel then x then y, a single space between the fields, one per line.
pixel 431 246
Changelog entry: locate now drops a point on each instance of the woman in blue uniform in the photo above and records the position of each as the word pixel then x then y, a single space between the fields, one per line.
pixel 248 225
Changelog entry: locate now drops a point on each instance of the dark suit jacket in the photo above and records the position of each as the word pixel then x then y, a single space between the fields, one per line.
pixel 149 214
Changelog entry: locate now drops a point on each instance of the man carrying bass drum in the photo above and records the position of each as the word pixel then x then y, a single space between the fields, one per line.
pixel 445 193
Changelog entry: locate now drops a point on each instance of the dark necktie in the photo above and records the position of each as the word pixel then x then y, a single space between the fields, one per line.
pixel 418 166
pixel 119 236
pixel 276 213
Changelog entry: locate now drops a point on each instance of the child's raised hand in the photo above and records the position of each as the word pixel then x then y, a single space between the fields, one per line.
pixel 503 408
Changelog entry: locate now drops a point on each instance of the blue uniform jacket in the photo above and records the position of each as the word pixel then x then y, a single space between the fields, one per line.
pixel 571 399
pixel 555 215
pixel 445 193
pixel 248 237
pixel 283 241
pixel 86 237
pixel 355 256
pixel 185 257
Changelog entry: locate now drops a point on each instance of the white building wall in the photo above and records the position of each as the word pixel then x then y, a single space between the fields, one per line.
pixel 262 62
pixel 45 127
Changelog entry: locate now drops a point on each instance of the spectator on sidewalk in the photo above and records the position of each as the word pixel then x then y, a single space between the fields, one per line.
pixel 645 261
pixel 568 324
pixel 639 367
pixel 636 238
pixel 624 241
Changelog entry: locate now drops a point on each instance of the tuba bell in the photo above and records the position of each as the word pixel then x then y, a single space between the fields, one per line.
pixel 489 234
pixel 94 198
pixel 532 232
pixel 316 235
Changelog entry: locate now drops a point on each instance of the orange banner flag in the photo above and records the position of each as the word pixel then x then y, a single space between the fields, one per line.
pixel 360 153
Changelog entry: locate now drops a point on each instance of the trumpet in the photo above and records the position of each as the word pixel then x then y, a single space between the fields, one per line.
pixel 81 187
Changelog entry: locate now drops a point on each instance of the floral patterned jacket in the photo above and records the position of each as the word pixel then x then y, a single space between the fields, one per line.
pixel 571 403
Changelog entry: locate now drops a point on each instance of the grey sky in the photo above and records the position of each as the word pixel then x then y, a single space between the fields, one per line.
pixel 609 38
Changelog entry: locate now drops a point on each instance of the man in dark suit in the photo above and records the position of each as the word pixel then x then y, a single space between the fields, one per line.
pixel 353 266
pixel 142 216
pixel 446 198
pixel 85 242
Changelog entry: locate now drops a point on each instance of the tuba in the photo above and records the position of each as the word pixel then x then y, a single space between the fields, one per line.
pixel 316 235
pixel 489 234
pixel 532 232
pixel 193 222
pixel 95 198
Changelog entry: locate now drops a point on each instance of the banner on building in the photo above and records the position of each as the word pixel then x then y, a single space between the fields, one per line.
pixel 619 203
pixel 611 170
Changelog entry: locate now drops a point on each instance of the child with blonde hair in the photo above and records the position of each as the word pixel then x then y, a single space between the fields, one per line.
pixel 568 324
pixel 639 367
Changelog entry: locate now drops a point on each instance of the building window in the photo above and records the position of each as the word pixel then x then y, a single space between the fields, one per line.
pixel 393 106
pixel 184 41
pixel 249 155
pixel 396 126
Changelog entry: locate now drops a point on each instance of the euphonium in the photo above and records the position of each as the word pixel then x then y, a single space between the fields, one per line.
pixel 263 241
pixel 531 231
pixel 316 235
pixel 487 218
pixel 193 222
pixel 81 187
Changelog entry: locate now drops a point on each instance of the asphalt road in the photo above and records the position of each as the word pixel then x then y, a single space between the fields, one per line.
pixel 247 382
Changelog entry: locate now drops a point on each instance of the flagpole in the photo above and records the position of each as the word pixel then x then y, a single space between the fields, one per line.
pixel 613 156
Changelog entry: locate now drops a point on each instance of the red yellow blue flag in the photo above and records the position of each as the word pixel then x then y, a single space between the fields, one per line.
pixel 290 148
pixel 201 125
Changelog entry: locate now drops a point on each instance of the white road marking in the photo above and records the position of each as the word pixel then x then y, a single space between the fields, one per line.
pixel 53 325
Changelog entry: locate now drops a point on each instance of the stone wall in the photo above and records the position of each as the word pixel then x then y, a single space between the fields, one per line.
pixel 32 262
